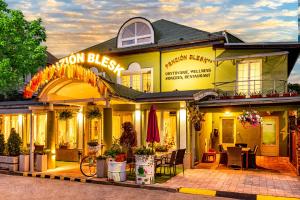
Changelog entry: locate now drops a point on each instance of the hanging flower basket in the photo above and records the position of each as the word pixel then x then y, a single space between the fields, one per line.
pixel 250 118
pixel 94 113
pixel 196 117
pixel 65 115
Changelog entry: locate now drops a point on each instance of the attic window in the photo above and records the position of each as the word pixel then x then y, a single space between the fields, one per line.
pixel 136 31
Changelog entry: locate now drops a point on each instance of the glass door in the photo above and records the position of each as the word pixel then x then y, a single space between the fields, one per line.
pixel 227 131
pixel 270 137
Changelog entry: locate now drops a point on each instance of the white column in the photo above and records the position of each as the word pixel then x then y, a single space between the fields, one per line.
pixel 31 156
pixel 137 124
pixel 182 125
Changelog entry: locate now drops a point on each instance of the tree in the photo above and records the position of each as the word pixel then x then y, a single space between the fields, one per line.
pixel 21 52
pixel 294 87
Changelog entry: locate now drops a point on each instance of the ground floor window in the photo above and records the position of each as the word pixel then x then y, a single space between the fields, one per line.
pixel 167 123
pixel 67 132
pixel 40 128
pixel 7 122
pixel 118 119
pixel 96 130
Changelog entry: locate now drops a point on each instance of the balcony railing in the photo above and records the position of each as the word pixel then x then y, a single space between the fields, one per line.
pixel 249 87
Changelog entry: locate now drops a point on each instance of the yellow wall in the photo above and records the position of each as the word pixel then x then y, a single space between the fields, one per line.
pixel 188 69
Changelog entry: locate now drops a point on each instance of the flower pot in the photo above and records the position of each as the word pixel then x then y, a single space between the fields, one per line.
pixel 9 162
pixel 101 168
pixel 273 95
pixel 24 163
pixel 41 163
pixel 144 169
pixel 116 171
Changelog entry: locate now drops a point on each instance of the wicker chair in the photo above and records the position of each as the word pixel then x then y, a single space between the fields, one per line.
pixel 252 157
pixel 235 157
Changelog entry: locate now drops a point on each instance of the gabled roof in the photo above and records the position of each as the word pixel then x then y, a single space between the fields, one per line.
pixel 51 59
pixel 167 34
pixel 230 38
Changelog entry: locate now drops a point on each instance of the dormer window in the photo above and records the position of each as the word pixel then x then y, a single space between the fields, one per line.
pixel 137 31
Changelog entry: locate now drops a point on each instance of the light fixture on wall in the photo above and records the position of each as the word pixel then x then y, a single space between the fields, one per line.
pixel 227 113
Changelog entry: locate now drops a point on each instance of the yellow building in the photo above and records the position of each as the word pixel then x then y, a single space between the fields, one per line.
pixel 174 67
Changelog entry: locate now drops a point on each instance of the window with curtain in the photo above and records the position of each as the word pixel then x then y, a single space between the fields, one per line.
pixel 138 81
pixel 118 119
pixel 249 77
pixel 40 128
pixel 67 132
pixel 8 122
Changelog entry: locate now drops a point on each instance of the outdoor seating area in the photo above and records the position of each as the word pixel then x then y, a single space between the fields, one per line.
pixel 240 156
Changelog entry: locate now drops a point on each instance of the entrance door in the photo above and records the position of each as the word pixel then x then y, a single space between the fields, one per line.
pixel 270 136
pixel 227 132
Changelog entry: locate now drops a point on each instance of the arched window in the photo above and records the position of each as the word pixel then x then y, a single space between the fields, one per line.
pixel 136 31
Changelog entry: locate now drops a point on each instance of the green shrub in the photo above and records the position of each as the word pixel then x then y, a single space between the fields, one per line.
pixel 2 144
pixel 14 143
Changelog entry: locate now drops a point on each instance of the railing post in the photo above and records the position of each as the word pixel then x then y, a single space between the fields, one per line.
pixel 274 85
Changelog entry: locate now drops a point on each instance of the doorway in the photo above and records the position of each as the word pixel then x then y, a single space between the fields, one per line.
pixel 270 136
pixel 228 131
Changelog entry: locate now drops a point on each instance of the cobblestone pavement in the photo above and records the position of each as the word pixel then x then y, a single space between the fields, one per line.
pixel 21 188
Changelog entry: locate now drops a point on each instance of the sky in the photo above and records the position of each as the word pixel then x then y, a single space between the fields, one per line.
pixel 72 25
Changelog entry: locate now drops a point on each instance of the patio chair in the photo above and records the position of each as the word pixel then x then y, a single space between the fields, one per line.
pixel 252 157
pixel 170 163
pixel 235 157
pixel 242 145
pixel 180 159
pixel 223 155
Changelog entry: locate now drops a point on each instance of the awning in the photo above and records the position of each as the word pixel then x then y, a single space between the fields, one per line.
pixel 243 54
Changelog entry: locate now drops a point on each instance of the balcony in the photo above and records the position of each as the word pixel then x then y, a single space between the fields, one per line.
pixel 250 88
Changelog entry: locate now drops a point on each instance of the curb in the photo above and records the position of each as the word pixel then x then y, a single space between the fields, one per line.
pixel 233 195
pixel 87 180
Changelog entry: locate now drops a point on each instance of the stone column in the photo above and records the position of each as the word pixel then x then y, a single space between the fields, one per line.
pixel 51 130
pixel 107 127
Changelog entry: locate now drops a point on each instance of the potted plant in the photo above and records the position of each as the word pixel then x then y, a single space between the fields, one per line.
pixel 128 139
pixel 41 160
pixel 273 94
pixel 294 94
pixel 65 115
pixel 93 113
pixel 144 166
pixel 225 96
pixel 101 166
pixel 196 117
pixel 239 95
pixel 251 118
pixel 116 169
pixel 286 94
pixel 256 95
pixel 24 160
pixel 11 161
pixel 161 148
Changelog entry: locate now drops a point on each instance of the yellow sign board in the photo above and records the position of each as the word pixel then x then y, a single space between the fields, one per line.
pixel 188 69
pixel 93 58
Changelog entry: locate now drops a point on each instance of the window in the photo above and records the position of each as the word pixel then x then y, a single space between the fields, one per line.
pixel 137 78
pixel 118 119
pixel 7 122
pixel 39 129
pixel 67 132
pixel 249 77
pixel 135 32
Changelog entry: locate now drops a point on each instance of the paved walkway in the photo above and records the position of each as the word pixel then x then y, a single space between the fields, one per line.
pixel 274 176
pixel 23 188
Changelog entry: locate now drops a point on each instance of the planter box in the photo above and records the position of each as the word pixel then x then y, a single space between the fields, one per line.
pixel 116 171
pixel 144 169
pixel 9 162
pixel 24 163
pixel 101 168
pixel 41 163
pixel 225 97
pixel 256 96
pixel 273 95
pixel 239 97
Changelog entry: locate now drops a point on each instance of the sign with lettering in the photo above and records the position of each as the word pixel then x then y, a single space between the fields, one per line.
pixel 188 69
pixel 93 58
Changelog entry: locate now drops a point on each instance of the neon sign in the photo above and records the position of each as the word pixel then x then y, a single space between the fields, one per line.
pixel 93 58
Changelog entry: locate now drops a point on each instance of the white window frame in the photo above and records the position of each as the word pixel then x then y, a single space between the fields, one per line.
pixel 249 78
pixel 135 38
pixel 140 72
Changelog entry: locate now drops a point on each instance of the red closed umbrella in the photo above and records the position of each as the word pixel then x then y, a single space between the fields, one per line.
pixel 152 131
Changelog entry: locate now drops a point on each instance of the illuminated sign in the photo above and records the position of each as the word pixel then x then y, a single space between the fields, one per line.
pixel 93 58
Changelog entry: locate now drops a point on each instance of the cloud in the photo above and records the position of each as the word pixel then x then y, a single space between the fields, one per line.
pixel 273 4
